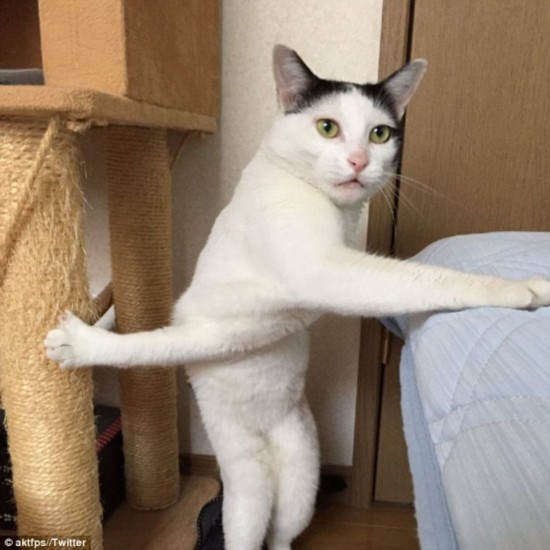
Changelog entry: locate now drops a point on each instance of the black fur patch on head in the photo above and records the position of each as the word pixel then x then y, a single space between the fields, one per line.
pixel 320 88
pixel 317 90
pixel 381 99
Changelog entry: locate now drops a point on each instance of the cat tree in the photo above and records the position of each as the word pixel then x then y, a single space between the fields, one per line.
pixel 138 68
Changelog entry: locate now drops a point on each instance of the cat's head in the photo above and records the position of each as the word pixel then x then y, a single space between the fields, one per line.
pixel 340 137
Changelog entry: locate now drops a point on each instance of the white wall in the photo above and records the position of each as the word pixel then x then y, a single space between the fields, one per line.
pixel 338 39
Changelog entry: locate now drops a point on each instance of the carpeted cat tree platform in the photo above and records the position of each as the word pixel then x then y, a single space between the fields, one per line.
pixel 137 68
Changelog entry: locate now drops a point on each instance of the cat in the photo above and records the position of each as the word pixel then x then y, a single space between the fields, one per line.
pixel 278 257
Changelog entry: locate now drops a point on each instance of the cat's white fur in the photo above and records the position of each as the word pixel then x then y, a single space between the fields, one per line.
pixel 278 257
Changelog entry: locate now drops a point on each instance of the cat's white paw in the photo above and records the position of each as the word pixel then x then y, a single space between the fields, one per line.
pixel 540 289
pixel 528 294
pixel 71 343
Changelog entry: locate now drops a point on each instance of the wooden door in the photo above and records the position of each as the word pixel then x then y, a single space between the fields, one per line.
pixel 477 134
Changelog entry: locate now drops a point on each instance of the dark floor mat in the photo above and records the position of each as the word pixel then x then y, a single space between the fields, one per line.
pixel 210 526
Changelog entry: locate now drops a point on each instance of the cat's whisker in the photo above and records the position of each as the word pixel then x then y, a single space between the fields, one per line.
pixel 421 187
pixel 417 184
pixel 404 201
pixel 389 194
pixel 410 205
pixel 388 199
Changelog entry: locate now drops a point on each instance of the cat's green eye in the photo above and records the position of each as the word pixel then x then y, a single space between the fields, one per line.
pixel 380 134
pixel 328 128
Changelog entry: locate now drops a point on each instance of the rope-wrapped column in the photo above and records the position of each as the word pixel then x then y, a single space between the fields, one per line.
pixel 140 224
pixel 49 412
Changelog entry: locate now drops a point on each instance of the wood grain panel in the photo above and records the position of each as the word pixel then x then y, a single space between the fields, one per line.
pixel 164 53
pixel 478 132
pixel 393 52
pixel 379 528
pixel 393 476
pixel 19 34
pixel 366 414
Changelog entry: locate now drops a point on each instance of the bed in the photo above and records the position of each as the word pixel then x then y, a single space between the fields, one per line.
pixel 476 405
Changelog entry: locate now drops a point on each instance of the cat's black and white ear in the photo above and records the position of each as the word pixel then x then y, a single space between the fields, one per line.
pixel 293 79
pixel 292 76
pixel 402 84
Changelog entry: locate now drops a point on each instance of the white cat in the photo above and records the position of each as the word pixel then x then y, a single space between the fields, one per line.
pixel 277 258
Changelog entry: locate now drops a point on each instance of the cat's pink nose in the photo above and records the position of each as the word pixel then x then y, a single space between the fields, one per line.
pixel 358 161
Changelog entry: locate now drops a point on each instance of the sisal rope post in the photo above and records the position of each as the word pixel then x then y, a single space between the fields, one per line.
pixel 140 224
pixel 49 413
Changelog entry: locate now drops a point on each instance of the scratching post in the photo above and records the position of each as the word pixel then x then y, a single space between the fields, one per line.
pixel 49 412
pixel 140 224
pixel 128 66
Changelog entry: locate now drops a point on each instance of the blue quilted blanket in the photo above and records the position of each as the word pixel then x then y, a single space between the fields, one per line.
pixel 476 406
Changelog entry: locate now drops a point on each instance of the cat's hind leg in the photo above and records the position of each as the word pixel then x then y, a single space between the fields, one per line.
pixel 295 447
pixel 248 479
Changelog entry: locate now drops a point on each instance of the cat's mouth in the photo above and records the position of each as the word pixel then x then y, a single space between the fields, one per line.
pixel 351 184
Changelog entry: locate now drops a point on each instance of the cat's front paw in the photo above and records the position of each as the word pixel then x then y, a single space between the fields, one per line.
pixel 528 294
pixel 540 290
pixel 71 343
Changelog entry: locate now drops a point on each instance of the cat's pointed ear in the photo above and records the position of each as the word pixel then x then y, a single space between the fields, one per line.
pixel 292 76
pixel 402 84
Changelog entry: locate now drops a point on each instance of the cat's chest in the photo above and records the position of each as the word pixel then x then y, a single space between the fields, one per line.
pixel 351 220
